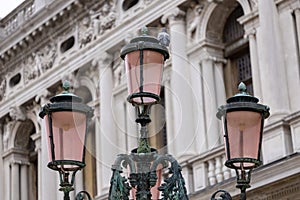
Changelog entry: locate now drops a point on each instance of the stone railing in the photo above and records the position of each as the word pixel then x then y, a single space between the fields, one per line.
pixel 207 170
pixel 17 17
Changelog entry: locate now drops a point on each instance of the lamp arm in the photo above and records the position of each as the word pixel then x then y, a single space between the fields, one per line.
pixel 80 195
pixel 224 195
pixel 119 186
pixel 173 187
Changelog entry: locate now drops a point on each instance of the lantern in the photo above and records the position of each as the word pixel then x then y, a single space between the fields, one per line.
pixel 66 120
pixel 243 122
pixel 144 59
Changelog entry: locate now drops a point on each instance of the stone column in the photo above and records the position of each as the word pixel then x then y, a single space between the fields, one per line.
pixel 184 137
pixel 2 172
pixel 297 17
pixel 37 141
pixel 15 178
pixel 219 80
pixel 169 111
pixel 272 67
pixel 47 179
pixel 131 127
pixel 254 64
pixel 24 181
pixel 109 140
pixel 98 146
pixel 210 104
pixel 7 179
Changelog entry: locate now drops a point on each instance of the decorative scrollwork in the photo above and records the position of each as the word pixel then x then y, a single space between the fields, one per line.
pixel 143 176
pixel 119 188
pixel 80 195
pixel 224 195
pixel 174 186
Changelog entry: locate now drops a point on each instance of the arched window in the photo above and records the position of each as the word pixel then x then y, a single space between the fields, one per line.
pixel 27 165
pixel 238 68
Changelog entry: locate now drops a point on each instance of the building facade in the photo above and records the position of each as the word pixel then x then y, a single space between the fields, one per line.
pixel 215 44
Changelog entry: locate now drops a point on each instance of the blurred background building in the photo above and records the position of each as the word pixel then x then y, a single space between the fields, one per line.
pixel 215 44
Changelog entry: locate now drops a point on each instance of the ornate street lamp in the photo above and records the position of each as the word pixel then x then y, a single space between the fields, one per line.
pixel 243 123
pixel 144 58
pixel 66 120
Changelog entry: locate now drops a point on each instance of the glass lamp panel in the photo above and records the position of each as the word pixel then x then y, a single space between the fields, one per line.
pixel 152 73
pixel 69 130
pixel 243 129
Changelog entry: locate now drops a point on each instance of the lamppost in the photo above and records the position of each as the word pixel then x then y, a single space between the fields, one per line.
pixel 144 59
pixel 66 120
pixel 243 123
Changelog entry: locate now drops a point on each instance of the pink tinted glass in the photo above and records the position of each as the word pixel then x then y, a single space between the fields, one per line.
pixel 68 135
pixel 152 73
pixel 244 134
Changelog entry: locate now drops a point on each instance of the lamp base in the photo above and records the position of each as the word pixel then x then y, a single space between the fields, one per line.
pixel 143 176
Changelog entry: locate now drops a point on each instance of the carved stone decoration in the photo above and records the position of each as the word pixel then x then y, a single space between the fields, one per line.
pixel 86 32
pixel 193 20
pixel 103 19
pixel 29 69
pixel 7 129
pixel 17 113
pixel 119 72
pixel 49 56
pixel 39 62
pixel 2 89
pixel 253 3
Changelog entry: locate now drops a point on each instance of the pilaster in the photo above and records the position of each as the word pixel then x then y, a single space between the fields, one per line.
pixel 108 137
pixel 256 78
pixel 297 18
pixel 271 62
pixel 15 178
pixel 184 144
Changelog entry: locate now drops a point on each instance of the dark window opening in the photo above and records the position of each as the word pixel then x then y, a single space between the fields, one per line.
pixel 238 68
pixel 67 45
pixel 127 4
pixel 233 30
pixel 15 80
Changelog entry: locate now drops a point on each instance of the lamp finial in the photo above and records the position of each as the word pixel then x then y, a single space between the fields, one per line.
pixel 242 88
pixel 66 86
pixel 144 30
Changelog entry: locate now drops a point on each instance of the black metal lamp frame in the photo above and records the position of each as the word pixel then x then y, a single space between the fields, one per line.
pixel 66 102
pixel 144 160
pixel 241 102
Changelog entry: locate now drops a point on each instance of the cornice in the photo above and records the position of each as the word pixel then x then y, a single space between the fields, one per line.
pixel 78 59
pixel 35 25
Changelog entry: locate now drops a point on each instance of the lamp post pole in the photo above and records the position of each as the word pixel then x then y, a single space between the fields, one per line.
pixel 67 118
pixel 144 57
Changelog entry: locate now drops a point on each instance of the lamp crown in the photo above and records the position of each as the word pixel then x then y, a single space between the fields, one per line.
pixel 242 88
pixel 66 86
pixel 144 30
